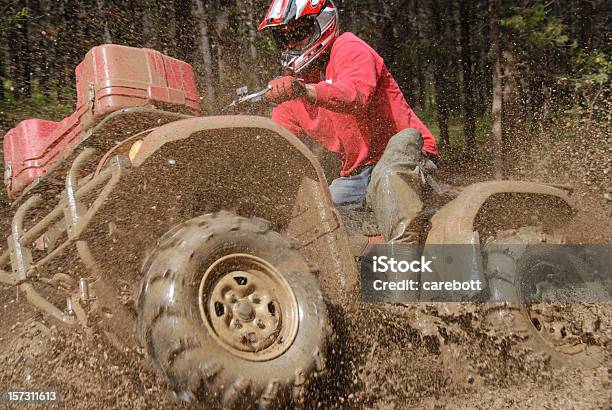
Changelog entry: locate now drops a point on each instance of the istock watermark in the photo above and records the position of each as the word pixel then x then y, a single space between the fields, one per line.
pixel 415 285
pixel 29 396
pixel 385 264
pixel 481 273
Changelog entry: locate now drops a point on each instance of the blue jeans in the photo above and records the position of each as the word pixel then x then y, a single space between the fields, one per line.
pixel 350 192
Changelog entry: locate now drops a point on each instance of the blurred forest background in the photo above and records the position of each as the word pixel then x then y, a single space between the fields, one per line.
pixel 482 73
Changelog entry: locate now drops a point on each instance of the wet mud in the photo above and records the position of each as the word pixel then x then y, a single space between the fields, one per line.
pixel 431 356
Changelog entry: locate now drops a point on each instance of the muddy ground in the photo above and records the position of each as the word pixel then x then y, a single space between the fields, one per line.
pixel 386 356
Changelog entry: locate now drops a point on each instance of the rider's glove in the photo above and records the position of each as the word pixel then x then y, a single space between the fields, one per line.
pixel 284 89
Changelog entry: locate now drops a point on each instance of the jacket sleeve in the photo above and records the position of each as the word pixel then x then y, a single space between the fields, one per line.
pixel 429 142
pixel 355 82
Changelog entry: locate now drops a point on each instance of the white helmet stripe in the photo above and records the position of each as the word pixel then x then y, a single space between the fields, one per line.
pixel 301 5
pixel 276 9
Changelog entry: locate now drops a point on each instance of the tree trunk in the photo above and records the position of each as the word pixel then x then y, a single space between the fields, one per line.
pixel 148 30
pixel 20 57
pixel 47 51
pixel 40 52
pixel 185 36
pixel 483 66
pixel 421 65
pixel 65 44
pixel 586 24
pixel 452 66
pixel 220 45
pixel 102 13
pixel 200 14
pixel 169 42
pixel 440 82
pixel 252 33
pixel 13 66
pixel 511 115
pixel 469 126
pixel 2 75
pixel 390 36
pixel 496 109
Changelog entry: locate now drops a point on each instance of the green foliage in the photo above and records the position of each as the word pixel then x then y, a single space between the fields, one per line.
pixel 539 44
pixel 593 68
pixel 11 17
pixel 592 71
pixel 12 111
pixel 536 26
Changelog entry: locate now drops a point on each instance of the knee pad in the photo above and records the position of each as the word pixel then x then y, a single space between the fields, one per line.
pixel 405 141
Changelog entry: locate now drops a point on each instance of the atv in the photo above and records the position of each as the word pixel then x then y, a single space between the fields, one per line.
pixel 212 242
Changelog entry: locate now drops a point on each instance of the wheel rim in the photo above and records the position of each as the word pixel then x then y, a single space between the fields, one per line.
pixel 248 307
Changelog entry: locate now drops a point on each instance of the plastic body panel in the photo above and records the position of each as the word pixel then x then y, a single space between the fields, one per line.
pixel 110 78
pixel 22 154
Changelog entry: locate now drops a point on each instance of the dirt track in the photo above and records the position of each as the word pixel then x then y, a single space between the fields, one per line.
pixel 421 356
pixel 388 357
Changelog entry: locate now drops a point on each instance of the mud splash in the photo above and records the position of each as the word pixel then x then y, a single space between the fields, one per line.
pixel 385 356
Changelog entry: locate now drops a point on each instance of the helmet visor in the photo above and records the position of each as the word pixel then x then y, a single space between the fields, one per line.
pixel 297 37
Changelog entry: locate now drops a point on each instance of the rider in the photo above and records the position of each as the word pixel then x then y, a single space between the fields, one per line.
pixel 338 91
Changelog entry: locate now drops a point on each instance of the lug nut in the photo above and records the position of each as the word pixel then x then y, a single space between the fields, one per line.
pixel 69 307
pixel 230 297
pixel 84 290
pixel 255 298
pixel 260 324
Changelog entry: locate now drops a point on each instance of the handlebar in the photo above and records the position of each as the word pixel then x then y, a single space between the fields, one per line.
pixel 244 96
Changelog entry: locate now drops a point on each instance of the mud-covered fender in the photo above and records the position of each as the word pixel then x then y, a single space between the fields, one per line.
pixel 183 129
pixel 456 222
pixel 248 165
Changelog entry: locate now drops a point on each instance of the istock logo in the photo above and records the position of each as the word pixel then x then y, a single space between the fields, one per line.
pixel 385 264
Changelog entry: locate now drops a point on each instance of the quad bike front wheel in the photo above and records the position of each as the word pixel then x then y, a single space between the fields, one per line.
pixel 231 314
pixel 517 267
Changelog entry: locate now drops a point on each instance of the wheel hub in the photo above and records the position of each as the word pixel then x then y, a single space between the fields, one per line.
pixel 244 311
pixel 248 307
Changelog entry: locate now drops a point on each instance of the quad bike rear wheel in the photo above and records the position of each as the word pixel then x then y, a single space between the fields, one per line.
pixel 231 314
pixel 515 266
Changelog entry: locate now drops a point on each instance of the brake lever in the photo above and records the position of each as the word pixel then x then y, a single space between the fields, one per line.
pixel 253 97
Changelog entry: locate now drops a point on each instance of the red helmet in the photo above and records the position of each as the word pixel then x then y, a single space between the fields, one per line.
pixel 321 17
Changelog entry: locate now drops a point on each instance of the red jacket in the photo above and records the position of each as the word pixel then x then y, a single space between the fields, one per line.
pixel 359 107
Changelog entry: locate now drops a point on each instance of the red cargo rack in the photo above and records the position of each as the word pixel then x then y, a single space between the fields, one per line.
pixel 110 78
